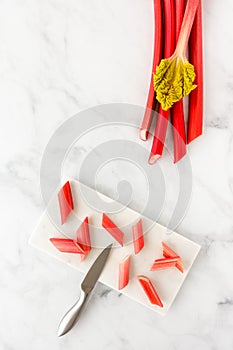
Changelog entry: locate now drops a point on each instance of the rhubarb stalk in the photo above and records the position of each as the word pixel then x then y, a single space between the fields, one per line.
pixel 195 120
pixel 158 38
pixel 163 115
pixel 174 76
pixel 178 109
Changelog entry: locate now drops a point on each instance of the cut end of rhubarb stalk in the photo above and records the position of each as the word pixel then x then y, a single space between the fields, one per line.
pixel 65 201
pixel 150 291
pixel 143 134
pixel 194 137
pixel 123 278
pixel 138 238
pixel 109 226
pixel 153 158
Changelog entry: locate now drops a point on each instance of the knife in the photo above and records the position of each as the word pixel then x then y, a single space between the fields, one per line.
pixel 87 285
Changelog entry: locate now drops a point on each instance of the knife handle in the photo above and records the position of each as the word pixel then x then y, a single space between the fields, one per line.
pixel 70 318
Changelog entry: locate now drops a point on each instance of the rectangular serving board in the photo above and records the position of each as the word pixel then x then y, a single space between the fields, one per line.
pixel 167 282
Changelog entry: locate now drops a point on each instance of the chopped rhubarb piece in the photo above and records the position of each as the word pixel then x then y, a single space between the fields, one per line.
pixel 150 290
pixel 138 238
pixel 112 229
pixel 66 245
pixel 65 201
pixel 123 278
pixel 83 238
pixel 83 235
pixel 169 253
pixel 165 263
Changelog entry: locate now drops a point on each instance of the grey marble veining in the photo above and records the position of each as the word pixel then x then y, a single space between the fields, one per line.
pixel 58 58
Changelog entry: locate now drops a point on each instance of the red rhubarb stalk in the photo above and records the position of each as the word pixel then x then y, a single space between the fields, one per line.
pixel 66 245
pixel 178 109
pixel 150 291
pixel 158 39
pixel 195 120
pixel 65 201
pixel 123 278
pixel 138 238
pixel 83 238
pixel 165 263
pixel 169 253
pixel 112 229
pixel 169 44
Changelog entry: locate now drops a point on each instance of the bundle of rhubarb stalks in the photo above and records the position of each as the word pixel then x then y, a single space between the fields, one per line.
pixel 177 73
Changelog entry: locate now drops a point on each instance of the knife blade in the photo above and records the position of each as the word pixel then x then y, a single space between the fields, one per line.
pixel 87 285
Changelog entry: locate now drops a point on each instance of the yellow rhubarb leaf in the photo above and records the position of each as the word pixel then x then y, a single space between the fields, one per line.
pixel 173 80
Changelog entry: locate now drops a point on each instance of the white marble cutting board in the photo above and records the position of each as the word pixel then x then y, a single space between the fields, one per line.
pixel 167 282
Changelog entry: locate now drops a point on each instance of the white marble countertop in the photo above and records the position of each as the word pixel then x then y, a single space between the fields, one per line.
pixel 58 58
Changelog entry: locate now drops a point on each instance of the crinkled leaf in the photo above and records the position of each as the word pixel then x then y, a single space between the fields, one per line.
pixel 173 80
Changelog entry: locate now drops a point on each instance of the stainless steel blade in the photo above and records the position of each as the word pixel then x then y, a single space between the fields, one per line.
pixel 95 270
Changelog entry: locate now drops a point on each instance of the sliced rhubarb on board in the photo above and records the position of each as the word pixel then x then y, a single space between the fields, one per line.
pixel 109 226
pixel 165 263
pixel 150 291
pixel 65 201
pixel 138 238
pixel 169 253
pixel 66 245
pixel 123 278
